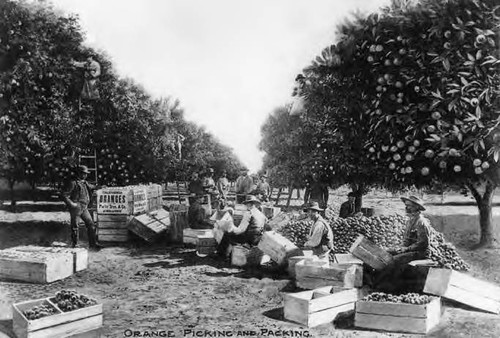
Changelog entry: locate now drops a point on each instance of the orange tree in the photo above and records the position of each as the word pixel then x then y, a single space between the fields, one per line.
pixel 423 78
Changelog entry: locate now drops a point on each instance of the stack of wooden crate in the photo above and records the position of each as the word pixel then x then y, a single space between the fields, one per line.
pixel 154 195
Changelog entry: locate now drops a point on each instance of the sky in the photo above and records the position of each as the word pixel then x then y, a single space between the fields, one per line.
pixel 229 62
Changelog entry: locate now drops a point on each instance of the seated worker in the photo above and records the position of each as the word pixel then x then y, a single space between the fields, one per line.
pixel 250 229
pixel 320 238
pixel 415 241
pixel 348 208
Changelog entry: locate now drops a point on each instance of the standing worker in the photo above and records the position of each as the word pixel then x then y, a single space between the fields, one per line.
pixel 244 184
pixel 264 189
pixel 76 195
pixel 210 188
pixel 250 229
pixel 223 187
pixel 321 235
pixel 196 214
pixel 317 191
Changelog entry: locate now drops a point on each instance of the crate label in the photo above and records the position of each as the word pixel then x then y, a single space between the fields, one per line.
pixel 113 201
pixel 140 200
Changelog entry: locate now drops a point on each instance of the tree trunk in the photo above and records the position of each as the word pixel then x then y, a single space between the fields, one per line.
pixel 278 197
pixel 487 236
pixel 358 190
pixel 178 192
pixel 12 195
pixel 290 192
pixel 298 193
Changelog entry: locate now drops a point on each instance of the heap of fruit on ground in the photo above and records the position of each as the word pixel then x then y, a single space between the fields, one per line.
pixel 385 231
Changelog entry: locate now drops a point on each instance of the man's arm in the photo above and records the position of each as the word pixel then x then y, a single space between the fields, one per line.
pixel 237 230
pixel 316 236
pixel 67 190
pixel 325 194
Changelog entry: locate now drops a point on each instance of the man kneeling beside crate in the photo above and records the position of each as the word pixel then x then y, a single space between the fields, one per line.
pixel 250 229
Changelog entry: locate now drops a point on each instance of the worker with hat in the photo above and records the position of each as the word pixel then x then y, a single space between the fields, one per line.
pixel 320 238
pixel 415 244
pixel 263 188
pixel 76 195
pixel 244 185
pixel 210 188
pixel 250 229
pixel 348 208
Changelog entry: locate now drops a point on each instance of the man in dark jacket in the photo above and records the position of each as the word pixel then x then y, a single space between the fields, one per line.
pixel 77 194
pixel 348 208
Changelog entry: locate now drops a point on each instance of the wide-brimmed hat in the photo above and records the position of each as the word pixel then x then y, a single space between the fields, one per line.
pixel 83 169
pixel 251 199
pixel 415 200
pixel 313 206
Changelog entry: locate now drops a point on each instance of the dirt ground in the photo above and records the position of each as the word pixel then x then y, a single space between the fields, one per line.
pixel 170 291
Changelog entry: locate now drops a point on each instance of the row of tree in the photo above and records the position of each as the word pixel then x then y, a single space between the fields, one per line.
pixel 407 97
pixel 45 124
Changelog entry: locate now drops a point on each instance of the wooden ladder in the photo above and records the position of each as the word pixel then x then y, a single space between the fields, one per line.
pixel 92 159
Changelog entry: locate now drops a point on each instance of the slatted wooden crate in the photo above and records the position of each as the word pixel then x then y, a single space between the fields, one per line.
pixel 398 317
pixel 113 228
pixel 206 243
pixel 370 253
pixel 464 289
pixel 314 274
pixel 320 306
pixel 35 266
pixel 62 324
pixel 178 222
pixel 190 236
pixel 270 211
pixel 151 225
pixel 80 255
pixel 278 247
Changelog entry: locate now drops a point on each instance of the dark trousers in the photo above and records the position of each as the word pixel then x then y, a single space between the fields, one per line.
pixel 230 238
pixel 390 276
pixel 82 212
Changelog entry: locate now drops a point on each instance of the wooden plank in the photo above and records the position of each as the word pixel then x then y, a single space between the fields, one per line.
pixel 328 315
pixel 311 283
pixel 112 232
pixel 392 309
pixel 390 323
pixel 114 238
pixel 69 329
pixel 296 308
pixel 190 236
pixel 334 299
pixel 347 259
pixel 113 218
pixel 150 226
pixel 463 289
pixel 315 273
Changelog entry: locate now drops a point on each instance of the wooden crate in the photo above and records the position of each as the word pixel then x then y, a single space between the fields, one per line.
pixel 178 222
pixel 314 274
pixel 113 228
pixel 116 200
pixel 278 247
pixel 370 253
pixel 140 197
pixel 62 324
pixel 190 236
pixel 80 255
pixel 242 256
pixel 398 317
pixel 464 289
pixel 151 225
pixel 35 266
pixel 270 211
pixel 320 306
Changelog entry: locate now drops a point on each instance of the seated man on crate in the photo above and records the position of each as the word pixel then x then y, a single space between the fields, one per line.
pixel 320 238
pixel 415 241
pixel 76 195
pixel 250 229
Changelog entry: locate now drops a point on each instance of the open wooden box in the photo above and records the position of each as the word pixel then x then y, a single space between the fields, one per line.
pixel 61 324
